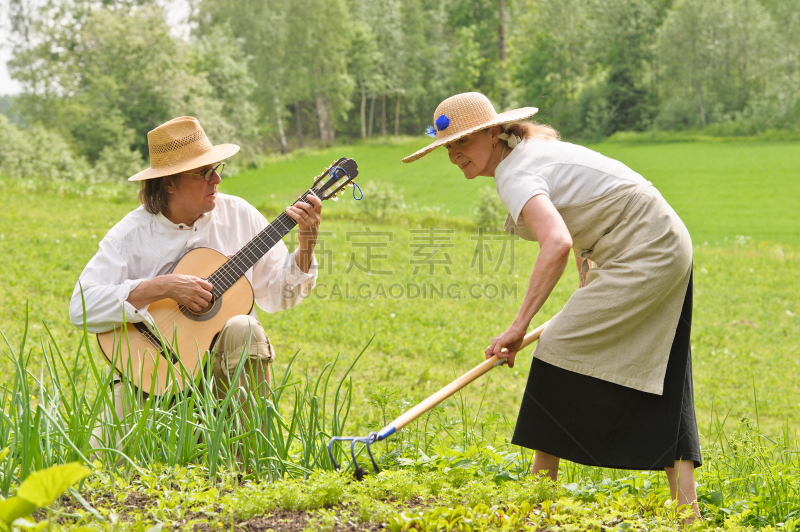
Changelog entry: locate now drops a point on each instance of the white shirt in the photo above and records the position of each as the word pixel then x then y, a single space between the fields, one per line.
pixel 566 173
pixel 143 246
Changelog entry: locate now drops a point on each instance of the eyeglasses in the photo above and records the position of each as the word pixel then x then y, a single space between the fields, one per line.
pixel 208 173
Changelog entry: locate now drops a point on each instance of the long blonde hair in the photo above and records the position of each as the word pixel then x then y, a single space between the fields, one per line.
pixel 531 130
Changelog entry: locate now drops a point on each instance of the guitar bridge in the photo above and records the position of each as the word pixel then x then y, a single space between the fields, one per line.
pixel 164 350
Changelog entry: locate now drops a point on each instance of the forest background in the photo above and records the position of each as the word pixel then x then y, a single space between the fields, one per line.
pixel 273 76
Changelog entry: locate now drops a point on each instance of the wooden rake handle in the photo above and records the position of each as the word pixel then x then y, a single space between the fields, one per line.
pixel 407 417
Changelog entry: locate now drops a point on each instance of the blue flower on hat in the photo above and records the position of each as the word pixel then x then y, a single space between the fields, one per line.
pixel 441 124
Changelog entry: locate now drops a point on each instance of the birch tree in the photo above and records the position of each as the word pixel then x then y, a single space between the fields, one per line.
pixel 720 52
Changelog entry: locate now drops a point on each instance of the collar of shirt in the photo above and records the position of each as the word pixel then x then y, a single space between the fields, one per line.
pixel 198 225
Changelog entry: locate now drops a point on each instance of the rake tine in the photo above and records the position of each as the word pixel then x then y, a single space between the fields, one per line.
pixel 372 438
pixel 359 473
pixel 336 465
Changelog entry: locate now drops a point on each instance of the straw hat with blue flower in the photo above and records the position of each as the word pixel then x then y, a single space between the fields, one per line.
pixel 463 114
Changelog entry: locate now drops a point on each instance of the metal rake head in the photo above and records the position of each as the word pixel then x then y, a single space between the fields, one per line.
pixel 367 441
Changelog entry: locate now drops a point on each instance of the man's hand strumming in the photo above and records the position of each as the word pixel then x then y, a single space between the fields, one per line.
pixel 188 290
pixel 192 292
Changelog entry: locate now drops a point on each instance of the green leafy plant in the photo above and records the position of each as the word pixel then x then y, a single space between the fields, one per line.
pixel 40 489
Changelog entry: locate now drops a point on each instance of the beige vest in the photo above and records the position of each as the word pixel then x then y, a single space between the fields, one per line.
pixel 620 326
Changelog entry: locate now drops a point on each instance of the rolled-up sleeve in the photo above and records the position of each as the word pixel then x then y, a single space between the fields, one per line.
pixel 103 288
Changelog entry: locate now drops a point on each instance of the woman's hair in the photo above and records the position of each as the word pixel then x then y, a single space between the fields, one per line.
pixel 531 130
pixel 153 194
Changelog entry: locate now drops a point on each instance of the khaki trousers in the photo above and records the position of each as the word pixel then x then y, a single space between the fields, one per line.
pixel 241 336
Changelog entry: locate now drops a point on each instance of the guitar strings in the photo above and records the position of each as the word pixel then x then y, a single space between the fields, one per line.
pixel 232 270
pixel 284 221
pixel 226 273
pixel 230 277
pixel 235 267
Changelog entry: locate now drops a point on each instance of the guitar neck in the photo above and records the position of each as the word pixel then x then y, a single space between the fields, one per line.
pixel 243 260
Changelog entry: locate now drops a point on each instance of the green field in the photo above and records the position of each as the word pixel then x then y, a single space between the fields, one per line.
pixel 740 203
pixel 720 190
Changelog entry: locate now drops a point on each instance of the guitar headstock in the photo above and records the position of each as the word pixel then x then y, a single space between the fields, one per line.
pixel 337 176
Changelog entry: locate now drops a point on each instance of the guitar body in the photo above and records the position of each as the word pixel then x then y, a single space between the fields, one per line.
pixel 139 356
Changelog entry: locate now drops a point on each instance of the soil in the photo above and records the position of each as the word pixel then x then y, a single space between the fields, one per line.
pixel 296 522
pixel 278 521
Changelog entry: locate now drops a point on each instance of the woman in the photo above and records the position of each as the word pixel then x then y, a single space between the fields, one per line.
pixel 611 382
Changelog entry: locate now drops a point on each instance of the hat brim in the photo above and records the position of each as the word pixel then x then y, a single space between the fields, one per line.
pixel 500 119
pixel 215 154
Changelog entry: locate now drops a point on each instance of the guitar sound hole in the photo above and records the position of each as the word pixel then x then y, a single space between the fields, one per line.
pixel 204 314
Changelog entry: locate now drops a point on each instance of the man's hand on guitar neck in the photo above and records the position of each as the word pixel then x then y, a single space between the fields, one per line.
pixel 308 217
pixel 188 290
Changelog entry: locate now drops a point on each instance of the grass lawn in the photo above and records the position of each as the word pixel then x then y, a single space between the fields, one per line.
pixel 720 190
pixel 430 325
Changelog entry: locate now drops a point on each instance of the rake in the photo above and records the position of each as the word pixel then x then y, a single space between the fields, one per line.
pixel 421 408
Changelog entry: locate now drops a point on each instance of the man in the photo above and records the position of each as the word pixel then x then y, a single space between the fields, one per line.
pixel 182 210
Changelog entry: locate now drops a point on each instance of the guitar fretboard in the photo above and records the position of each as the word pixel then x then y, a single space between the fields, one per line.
pixel 243 260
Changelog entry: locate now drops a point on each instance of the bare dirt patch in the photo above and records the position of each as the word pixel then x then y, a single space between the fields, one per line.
pixel 296 521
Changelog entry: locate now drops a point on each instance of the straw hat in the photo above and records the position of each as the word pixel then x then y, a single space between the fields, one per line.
pixel 466 113
pixel 181 145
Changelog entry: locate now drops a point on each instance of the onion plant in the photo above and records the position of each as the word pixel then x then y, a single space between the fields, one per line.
pixel 51 411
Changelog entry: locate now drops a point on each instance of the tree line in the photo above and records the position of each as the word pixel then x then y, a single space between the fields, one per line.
pixel 281 74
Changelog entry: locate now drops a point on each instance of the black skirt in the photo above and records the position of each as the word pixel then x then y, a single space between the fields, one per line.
pixel 594 422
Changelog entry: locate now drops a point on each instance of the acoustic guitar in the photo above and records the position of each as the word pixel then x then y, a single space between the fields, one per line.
pixel 159 357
